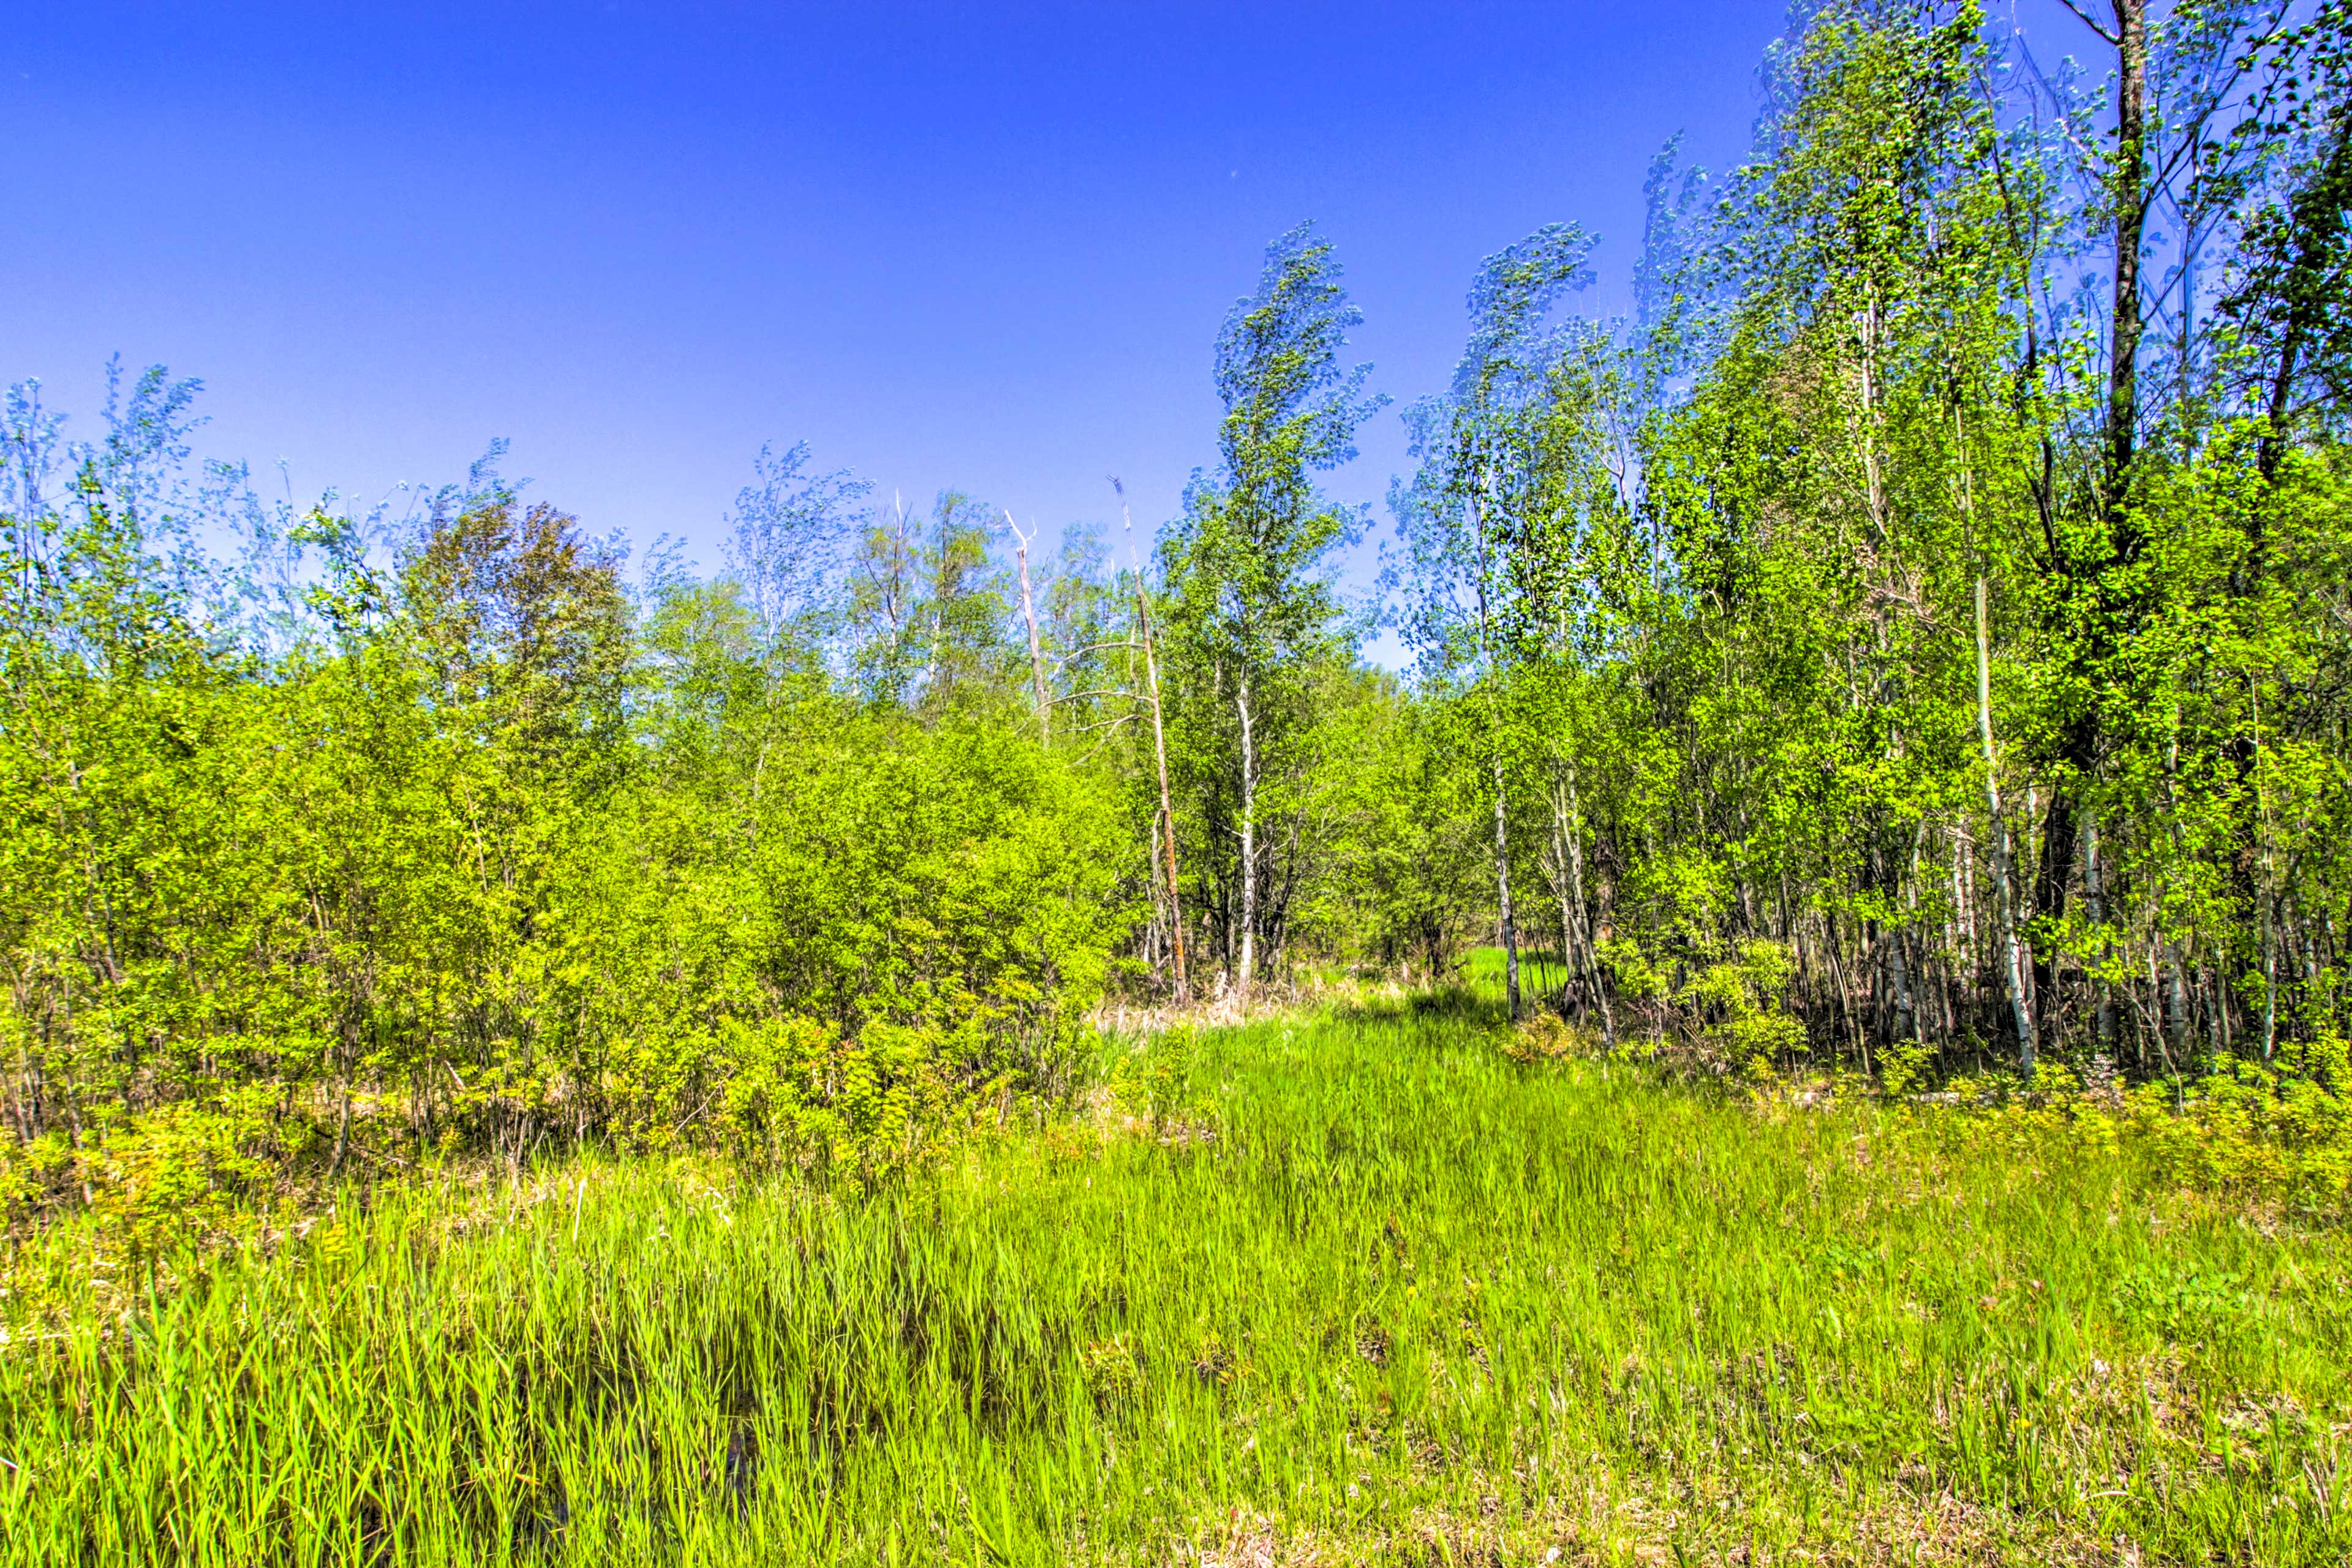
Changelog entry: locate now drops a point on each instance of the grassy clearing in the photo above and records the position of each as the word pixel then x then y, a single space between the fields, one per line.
pixel 1367 1291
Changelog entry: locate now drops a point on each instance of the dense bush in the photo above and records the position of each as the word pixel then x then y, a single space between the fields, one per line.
pixel 482 851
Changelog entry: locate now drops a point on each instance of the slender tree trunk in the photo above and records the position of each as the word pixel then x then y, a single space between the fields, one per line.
pixel 1572 948
pixel 1898 980
pixel 1244 969
pixel 1834 949
pixel 2175 1002
pixel 2269 978
pixel 1914 943
pixel 1036 654
pixel 1571 890
pixel 1586 944
pixel 1895 1018
pixel 2013 957
pixel 1508 932
pixel 2273 444
pixel 2094 896
pixel 2054 863
pixel 2130 193
pixel 1502 894
pixel 1166 834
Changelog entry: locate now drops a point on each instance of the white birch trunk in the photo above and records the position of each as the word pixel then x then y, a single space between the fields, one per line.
pixel 1246 965
pixel 1037 656
pixel 2013 951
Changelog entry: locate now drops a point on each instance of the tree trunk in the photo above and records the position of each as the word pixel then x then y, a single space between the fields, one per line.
pixel 1570 893
pixel 1494 739
pixel 2094 897
pixel 1245 967
pixel 2006 899
pixel 2130 194
pixel 1160 753
pixel 2118 540
pixel 1589 960
pixel 1503 892
pixel 2054 863
pixel 1905 1021
pixel 2270 974
pixel 2176 1004
pixel 1037 655
pixel 1167 808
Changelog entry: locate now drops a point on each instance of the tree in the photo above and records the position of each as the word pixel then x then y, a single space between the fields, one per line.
pixel 1251 607
pixel 526 626
pixel 2290 305
pixel 1476 521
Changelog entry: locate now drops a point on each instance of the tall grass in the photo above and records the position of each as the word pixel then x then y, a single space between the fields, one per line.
pixel 1360 1289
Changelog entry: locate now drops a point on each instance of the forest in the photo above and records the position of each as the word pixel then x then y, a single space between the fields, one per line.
pixel 1911 650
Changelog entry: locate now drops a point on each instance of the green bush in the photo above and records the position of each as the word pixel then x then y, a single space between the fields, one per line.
pixel 488 861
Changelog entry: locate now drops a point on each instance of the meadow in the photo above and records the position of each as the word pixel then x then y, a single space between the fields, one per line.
pixel 1348 1285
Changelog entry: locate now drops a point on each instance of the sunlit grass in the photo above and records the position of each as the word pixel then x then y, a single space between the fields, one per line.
pixel 1366 1289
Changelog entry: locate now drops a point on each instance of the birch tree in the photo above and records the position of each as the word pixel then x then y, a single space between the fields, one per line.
pixel 1252 608
pixel 1471 518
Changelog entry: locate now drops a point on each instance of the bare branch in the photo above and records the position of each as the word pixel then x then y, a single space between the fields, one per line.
pixel 2111 38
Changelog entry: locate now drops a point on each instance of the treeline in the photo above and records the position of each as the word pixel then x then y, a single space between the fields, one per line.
pixel 1925 625
pixel 1920 627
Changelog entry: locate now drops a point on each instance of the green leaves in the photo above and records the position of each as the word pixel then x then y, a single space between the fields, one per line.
pixel 495 864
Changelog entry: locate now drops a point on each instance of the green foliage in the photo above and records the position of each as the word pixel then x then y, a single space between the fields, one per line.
pixel 1741 998
pixel 1544 1039
pixel 1702 592
pixel 806 1098
pixel 1256 635
pixel 485 855
pixel 1156 1077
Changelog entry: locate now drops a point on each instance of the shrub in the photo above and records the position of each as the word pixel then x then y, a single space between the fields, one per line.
pixel 1546 1037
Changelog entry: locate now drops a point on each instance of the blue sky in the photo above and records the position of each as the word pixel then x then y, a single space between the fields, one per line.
pixel 947 245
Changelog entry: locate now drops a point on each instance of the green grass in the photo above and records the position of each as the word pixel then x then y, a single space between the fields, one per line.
pixel 1408 1302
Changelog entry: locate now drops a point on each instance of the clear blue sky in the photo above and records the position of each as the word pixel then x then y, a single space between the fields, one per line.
pixel 968 245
